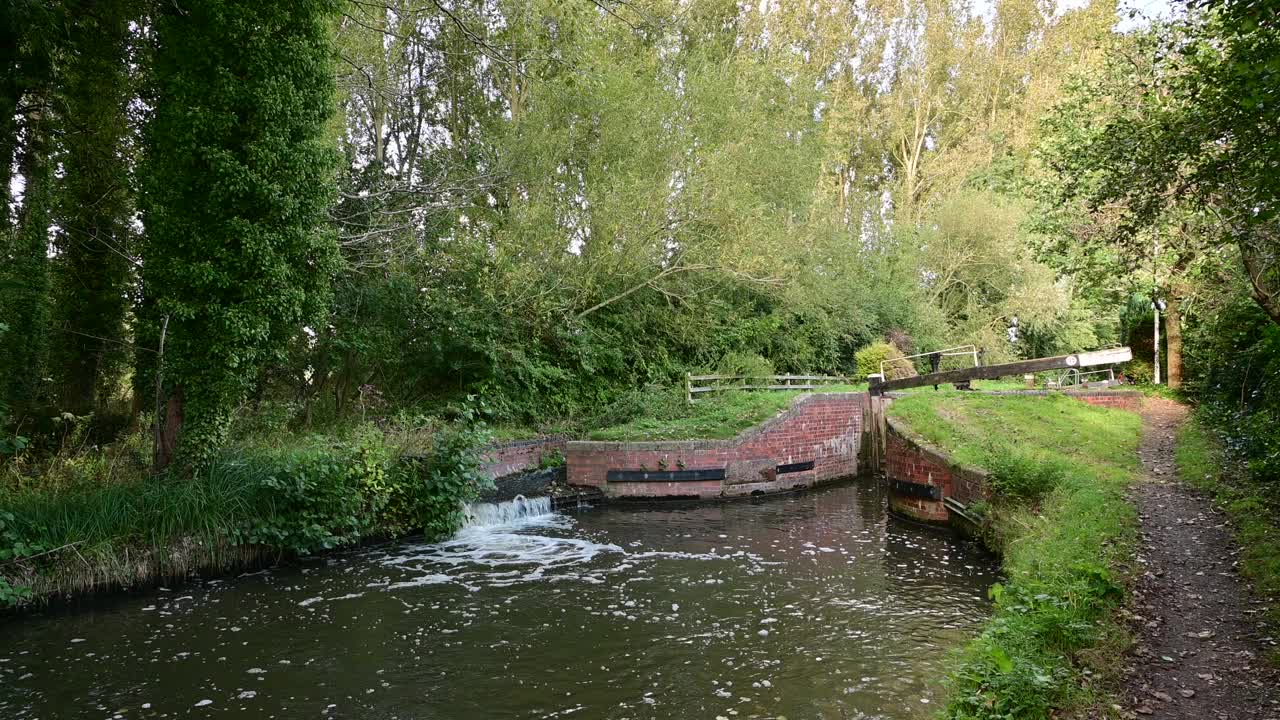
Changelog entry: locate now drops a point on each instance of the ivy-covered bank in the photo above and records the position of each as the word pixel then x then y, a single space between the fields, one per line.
pixel 250 505
pixel 1066 533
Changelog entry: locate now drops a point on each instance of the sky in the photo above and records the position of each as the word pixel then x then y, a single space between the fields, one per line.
pixel 1151 9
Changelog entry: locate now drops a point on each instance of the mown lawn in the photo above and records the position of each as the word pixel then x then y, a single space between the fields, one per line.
pixel 1066 533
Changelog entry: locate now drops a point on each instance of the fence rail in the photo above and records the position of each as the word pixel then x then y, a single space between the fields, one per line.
pixel 717 383
pixel 961 350
pixel 1074 377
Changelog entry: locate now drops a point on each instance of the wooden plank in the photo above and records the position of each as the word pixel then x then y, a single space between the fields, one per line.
pixel 914 489
pixel 664 475
pixel 794 467
pixel 992 372
pixel 830 378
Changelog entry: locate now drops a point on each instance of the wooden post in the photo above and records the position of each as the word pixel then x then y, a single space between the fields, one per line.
pixel 688 388
pixel 1155 355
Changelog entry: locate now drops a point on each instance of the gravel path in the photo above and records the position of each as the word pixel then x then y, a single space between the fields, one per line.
pixel 1199 652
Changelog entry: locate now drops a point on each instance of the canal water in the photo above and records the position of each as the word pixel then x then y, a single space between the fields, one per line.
pixel 814 605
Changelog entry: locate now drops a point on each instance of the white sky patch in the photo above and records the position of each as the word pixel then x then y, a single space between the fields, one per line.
pixel 1144 12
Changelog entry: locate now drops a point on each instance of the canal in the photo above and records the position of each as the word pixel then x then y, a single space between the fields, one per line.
pixel 813 605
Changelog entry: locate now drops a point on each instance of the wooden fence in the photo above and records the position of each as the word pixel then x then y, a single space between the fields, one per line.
pixel 695 385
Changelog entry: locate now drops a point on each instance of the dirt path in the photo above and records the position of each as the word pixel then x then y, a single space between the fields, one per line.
pixel 1196 625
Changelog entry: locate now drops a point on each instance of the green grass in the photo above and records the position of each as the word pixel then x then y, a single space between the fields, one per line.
pixel 88 537
pixel 718 417
pixel 1066 535
pixel 1000 384
pixel 1203 464
pixel 251 503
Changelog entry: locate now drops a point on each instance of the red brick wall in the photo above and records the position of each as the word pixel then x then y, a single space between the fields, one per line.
pixel 505 458
pixel 908 458
pixel 825 428
pixel 1118 399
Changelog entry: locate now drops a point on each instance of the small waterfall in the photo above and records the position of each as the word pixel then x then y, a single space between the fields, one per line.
pixel 515 510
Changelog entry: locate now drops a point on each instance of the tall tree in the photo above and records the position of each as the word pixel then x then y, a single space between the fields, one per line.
pixel 95 205
pixel 27 132
pixel 1183 120
pixel 238 180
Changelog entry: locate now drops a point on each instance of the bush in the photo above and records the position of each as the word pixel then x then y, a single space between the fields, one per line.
pixel 1021 474
pixel 869 358
pixel 744 364
pixel 308 500
pixel 1139 372
pixel 552 459
pixel 325 496
pixel 309 495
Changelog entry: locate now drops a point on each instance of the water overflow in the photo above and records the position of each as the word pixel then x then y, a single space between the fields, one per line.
pixel 814 605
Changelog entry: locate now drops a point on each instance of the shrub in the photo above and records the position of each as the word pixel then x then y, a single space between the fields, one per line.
pixel 1139 372
pixel 869 358
pixel 309 495
pixel 744 364
pixel 1021 474
pixel 321 496
pixel 309 500
pixel 552 459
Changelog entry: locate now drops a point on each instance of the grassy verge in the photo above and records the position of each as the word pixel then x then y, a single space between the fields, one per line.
pixel 666 416
pixel 1060 468
pixel 1203 463
pixel 254 503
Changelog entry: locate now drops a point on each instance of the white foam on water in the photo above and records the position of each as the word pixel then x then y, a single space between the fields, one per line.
pixel 497 547
pixel 500 545
pixel 518 510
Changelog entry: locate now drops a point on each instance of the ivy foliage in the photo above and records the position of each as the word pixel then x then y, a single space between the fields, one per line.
pixel 238 178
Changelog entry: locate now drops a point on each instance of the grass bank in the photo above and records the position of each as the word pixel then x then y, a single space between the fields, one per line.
pixel 1059 468
pixel 1204 462
pixel 665 415
pixel 255 503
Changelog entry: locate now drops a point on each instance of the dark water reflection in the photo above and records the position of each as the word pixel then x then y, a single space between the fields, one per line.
pixel 807 606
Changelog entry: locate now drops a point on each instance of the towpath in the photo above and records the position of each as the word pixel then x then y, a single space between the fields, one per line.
pixel 1199 651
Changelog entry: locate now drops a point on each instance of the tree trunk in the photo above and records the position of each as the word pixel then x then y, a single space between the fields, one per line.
pixel 166 446
pixel 1173 339
pixel 1263 272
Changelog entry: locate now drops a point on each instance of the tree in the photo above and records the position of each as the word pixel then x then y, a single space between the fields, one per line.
pixel 1137 208
pixel 26 131
pixel 95 202
pixel 1181 121
pixel 238 180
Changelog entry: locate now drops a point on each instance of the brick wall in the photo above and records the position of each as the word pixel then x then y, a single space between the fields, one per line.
pixel 909 459
pixel 824 428
pixel 505 458
pixel 1120 400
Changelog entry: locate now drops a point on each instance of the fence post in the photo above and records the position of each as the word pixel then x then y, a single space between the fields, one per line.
pixel 688 388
